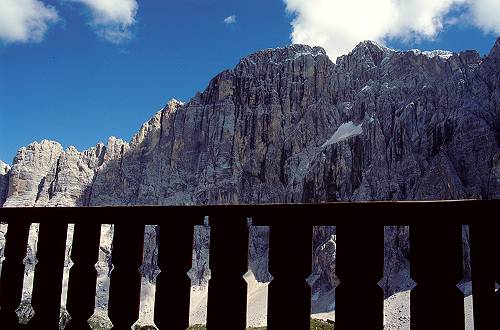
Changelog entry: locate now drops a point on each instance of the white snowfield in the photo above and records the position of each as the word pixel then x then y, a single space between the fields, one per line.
pixel 300 54
pixel 344 132
pixel 444 54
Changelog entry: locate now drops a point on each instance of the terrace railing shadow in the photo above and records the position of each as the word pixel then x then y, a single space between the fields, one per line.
pixel 435 244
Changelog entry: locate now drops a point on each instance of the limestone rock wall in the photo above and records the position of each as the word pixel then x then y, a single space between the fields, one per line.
pixel 289 125
pixel 4 181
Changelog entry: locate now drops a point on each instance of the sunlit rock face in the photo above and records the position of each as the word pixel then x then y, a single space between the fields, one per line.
pixel 289 125
pixel 4 181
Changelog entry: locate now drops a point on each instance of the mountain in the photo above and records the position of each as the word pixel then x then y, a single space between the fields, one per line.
pixel 4 181
pixel 289 125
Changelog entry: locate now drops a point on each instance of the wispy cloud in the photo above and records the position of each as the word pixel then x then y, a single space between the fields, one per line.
pixel 112 19
pixel 338 25
pixel 230 20
pixel 25 20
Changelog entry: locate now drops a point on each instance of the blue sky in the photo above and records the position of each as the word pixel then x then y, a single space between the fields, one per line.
pixel 85 76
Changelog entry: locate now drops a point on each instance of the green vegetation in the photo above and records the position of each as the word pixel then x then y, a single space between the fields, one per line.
pixel 315 325
pixel 321 325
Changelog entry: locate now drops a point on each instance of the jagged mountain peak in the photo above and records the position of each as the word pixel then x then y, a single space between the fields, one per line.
pixel 292 50
pixel 4 181
pixel 368 52
pixel 374 46
pixel 4 167
pixel 45 143
pixel 495 50
pixel 52 149
pixel 287 125
pixel 438 53
pixel 154 124
pixel 255 128
pixel 280 55
pixel 173 104
pixel 46 174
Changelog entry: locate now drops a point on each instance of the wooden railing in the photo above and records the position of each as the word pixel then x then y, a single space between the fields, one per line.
pixel 435 244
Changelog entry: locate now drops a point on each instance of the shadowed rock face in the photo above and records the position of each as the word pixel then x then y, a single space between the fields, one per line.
pixel 289 125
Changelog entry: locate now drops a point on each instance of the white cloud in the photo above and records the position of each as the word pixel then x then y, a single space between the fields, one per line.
pixel 25 20
pixel 338 25
pixel 486 14
pixel 112 19
pixel 230 19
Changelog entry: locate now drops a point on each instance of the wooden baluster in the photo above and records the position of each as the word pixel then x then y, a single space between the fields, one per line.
pixel 11 280
pixel 227 290
pixel 485 259
pixel 47 283
pixel 82 280
pixel 359 300
pixel 436 267
pixel 173 285
pixel 125 286
pixel 290 262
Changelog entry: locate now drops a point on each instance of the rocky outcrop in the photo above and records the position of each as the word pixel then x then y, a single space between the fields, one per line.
pixel 44 174
pixel 259 133
pixel 426 122
pixel 4 181
pixel 30 167
pixel 289 125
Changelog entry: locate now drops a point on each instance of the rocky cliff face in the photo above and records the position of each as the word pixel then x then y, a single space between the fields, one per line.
pixel 4 181
pixel 289 125
pixel 44 174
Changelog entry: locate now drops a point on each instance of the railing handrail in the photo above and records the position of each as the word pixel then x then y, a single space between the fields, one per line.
pixel 416 212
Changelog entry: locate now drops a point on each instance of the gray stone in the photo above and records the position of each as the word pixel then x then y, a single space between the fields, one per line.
pixel 289 125
pixel 4 181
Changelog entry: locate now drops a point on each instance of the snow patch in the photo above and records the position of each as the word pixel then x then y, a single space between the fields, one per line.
pixel 305 53
pixel 4 167
pixel 444 54
pixel 344 132
pixel 366 88
pixel 439 53
pixel 175 102
pixel 378 45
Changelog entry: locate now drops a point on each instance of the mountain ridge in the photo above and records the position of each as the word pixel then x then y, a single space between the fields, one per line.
pixel 494 52
pixel 289 125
